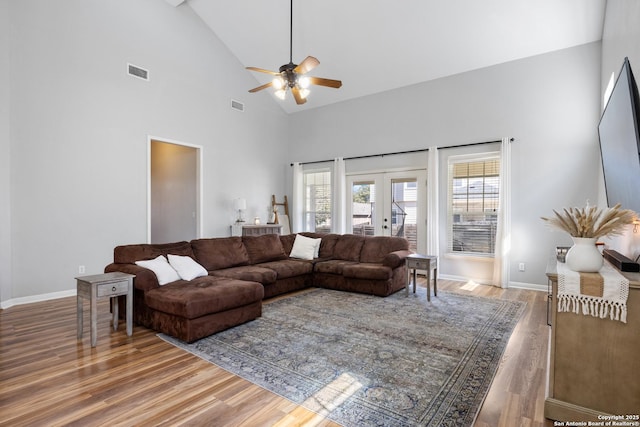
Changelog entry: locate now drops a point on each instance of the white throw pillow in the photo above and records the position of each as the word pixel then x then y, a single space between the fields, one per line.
pixel 163 271
pixel 186 267
pixel 305 247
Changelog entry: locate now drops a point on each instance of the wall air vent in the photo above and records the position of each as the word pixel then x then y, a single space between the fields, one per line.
pixel 135 71
pixel 237 105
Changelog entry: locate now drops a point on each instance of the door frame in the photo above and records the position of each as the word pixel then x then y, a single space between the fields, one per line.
pixel 199 182
pixel 382 180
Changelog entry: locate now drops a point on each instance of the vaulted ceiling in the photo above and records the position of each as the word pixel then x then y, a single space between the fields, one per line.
pixel 380 45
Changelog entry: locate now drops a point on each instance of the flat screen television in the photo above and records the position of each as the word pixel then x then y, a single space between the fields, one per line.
pixel 620 142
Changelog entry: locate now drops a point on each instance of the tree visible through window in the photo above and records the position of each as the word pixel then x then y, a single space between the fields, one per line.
pixel 474 189
pixel 317 201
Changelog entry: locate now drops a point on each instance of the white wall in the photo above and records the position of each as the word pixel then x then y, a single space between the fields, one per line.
pixel 5 158
pixel 80 127
pixel 620 39
pixel 548 103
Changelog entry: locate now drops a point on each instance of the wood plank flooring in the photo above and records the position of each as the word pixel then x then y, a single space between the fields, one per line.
pixel 48 377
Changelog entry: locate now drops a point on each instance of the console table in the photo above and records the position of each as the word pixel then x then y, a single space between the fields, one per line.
pixel 108 285
pixel 593 363
pixel 423 262
pixel 255 230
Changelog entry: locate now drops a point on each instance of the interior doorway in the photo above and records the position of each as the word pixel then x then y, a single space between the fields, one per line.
pixel 174 193
pixel 389 204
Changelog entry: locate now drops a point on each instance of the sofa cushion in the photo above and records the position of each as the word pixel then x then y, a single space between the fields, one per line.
pixel 334 266
pixel 287 241
pixel 164 272
pixel 217 253
pixel 367 271
pixel 327 245
pixel 252 273
pixel 129 254
pixel 348 247
pixel 264 248
pixel 376 248
pixel 202 296
pixel 288 268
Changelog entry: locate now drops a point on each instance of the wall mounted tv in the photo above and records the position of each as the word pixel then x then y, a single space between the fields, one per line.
pixel 620 142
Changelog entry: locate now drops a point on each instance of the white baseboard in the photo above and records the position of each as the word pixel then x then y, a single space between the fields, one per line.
pixel 463 279
pixel 37 298
pixel 528 286
pixel 514 285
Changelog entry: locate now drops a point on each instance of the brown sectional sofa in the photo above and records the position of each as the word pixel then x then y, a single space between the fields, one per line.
pixel 244 270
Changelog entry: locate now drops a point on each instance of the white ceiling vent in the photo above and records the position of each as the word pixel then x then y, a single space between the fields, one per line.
pixel 135 71
pixel 237 105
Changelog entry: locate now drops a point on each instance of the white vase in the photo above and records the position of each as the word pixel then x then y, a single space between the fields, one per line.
pixel 584 256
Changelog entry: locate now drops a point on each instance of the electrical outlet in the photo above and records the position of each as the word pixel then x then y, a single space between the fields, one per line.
pixel 521 266
pixel 81 269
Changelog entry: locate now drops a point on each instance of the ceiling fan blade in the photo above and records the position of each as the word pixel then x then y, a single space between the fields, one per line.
pixel 262 70
pixel 325 82
pixel 264 86
pixel 307 65
pixel 296 94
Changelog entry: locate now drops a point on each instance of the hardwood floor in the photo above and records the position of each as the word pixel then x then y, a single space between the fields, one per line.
pixel 48 377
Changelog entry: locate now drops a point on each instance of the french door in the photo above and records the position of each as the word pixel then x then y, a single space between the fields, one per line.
pixel 388 204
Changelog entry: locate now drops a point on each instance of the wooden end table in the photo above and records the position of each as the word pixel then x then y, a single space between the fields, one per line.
pixel 423 262
pixel 108 285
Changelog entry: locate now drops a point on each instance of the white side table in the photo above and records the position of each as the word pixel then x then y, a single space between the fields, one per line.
pixel 108 285
pixel 423 262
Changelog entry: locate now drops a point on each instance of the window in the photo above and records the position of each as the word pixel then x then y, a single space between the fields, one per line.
pixel 317 201
pixel 474 188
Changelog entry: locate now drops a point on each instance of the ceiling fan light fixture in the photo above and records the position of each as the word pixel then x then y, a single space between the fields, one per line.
pixel 304 93
pixel 304 82
pixel 278 83
pixel 281 93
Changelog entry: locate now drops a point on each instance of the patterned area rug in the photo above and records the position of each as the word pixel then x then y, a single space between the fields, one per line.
pixel 362 360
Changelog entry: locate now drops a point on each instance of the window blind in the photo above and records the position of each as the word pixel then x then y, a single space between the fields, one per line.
pixel 474 189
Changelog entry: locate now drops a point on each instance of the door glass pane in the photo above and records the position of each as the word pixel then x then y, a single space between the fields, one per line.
pixel 404 205
pixel 363 208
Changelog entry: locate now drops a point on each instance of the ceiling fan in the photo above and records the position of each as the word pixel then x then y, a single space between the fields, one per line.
pixel 293 75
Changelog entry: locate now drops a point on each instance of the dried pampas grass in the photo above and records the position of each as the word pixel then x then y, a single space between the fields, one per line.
pixel 592 222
